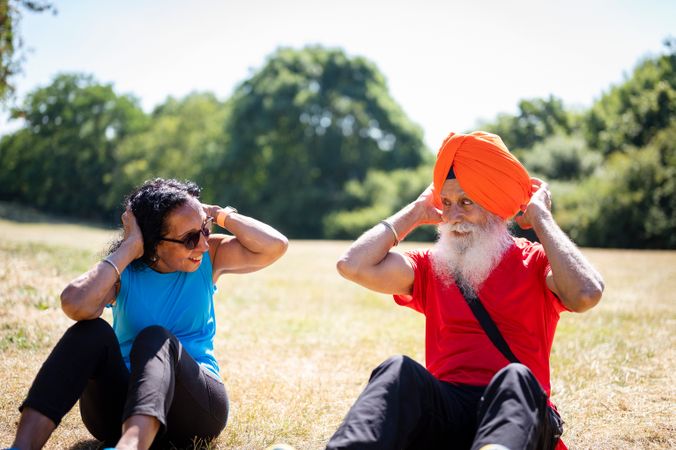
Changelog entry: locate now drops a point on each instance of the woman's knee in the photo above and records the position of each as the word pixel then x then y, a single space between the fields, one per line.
pixel 153 333
pixel 90 334
pixel 153 338
pixel 92 327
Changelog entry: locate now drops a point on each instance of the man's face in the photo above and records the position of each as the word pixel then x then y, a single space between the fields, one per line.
pixel 459 210
pixel 471 239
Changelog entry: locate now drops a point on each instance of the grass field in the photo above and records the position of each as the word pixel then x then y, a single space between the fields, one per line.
pixel 296 343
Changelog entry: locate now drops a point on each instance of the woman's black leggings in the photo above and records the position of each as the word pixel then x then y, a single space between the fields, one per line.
pixel 165 382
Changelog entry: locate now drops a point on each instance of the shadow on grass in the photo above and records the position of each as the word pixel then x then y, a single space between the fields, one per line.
pixel 26 214
pixel 197 444
pixel 91 444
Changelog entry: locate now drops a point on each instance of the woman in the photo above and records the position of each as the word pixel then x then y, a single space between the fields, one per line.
pixel 152 376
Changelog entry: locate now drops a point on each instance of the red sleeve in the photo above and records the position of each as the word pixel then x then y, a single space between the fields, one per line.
pixel 421 266
pixel 538 258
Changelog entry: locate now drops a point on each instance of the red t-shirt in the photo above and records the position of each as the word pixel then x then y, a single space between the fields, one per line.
pixel 516 297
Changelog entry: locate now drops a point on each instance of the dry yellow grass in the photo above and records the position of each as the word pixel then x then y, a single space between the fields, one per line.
pixel 296 343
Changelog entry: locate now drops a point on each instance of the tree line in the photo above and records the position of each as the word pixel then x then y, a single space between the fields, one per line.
pixel 314 144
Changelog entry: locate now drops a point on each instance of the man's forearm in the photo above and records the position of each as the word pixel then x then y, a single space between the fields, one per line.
pixel 578 284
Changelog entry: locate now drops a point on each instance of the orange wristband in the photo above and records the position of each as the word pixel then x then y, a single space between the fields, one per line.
pixel 223 214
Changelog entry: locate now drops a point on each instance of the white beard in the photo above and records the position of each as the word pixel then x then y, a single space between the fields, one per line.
pixel 469 260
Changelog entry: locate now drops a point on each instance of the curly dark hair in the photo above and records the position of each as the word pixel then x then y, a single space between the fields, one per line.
pixel 151 203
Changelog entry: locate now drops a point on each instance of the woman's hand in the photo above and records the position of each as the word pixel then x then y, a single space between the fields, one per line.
pixel 540 201
pixel 132 233
pixel 211 210
pixel 428 213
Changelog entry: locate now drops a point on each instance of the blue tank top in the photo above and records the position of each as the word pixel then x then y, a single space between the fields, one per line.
pixel 182 302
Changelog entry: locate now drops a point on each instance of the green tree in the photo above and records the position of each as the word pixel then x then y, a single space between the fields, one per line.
pixel 615 186
pixel 11 42
pixel 305 124
pixel 536 120
pixel 631 114
pixel 380 195
pixel 630 202
pixel 562 157
pixel 185 140
pixel 62 158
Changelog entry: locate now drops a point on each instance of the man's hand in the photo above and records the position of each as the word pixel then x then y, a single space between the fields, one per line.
pixel 572 278
pixel 429 213
pixel 540 201
pixel 370 262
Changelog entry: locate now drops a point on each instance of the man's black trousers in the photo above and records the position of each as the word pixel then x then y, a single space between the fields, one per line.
pixel 405 407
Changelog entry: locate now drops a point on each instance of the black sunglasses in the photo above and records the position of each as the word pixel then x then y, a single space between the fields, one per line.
pixel 192 239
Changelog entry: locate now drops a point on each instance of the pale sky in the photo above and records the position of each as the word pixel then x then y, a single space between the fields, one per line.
pixel 447 63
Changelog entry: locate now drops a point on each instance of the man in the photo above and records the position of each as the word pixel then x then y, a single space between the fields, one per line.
pixel 469 395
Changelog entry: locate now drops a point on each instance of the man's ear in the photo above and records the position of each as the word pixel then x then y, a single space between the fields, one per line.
pixel 523 223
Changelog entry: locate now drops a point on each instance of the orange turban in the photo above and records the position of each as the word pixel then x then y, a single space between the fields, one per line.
pixel 487 172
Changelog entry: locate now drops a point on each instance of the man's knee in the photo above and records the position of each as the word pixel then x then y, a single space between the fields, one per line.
pixel 516 377
pixel 512 409
pixel 395 363
pixel 515 372
pixel 399 367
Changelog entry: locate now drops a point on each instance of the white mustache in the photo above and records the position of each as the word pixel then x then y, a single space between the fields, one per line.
pixel 472 257
pixel 461 227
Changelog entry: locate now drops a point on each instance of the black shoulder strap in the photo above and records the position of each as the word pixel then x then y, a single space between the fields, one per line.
pixel 489 327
